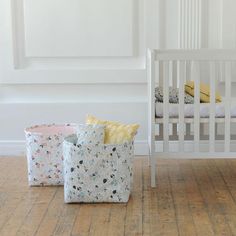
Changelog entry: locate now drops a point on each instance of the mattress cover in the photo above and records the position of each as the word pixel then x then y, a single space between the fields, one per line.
pixel 189 110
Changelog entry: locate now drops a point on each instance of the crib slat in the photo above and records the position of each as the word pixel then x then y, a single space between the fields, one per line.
pixel 174 84
pixel 212 106
pixel 174 74
pixel 188 70
pixel 196 78
pixel 182 75
pixel 160 81
pixel 166 106
pixel 227 105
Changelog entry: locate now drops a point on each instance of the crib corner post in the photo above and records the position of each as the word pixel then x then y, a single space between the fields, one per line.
pixel 151 113
pixel 153 172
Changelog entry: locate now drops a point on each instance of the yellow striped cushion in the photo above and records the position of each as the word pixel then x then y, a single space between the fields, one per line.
pixel 115 132
pixel 204 92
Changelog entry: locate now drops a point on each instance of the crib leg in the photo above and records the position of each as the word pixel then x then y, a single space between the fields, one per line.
pixel 152 161
pixel 149 159
pixel 153 169
pixel 153 176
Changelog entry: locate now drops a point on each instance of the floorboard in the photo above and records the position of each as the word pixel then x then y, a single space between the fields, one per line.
pixel 192 197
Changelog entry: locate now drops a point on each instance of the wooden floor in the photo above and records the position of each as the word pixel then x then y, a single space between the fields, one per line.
pixel 193 197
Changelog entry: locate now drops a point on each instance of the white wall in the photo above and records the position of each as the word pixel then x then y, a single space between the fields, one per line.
pixel 60 60
pixel 229 24
pixel 222 24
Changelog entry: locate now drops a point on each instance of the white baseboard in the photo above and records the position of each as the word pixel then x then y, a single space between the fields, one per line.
pixel 141 148
pixel 12 148
pixel 17 148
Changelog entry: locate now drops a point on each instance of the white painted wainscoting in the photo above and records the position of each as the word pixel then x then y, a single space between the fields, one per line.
pixel 16 116
pixel 77 41
pixel 60 60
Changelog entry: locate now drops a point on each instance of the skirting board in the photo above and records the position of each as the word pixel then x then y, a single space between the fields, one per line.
pixel 12 148
pixel 17 148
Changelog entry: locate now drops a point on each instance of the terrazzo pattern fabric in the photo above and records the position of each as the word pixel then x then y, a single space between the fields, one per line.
pixel 101 173
pixel 173 96
pixel 90 134
pixel 45 157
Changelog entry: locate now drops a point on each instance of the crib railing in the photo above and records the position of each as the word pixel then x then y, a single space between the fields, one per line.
pixel 173 68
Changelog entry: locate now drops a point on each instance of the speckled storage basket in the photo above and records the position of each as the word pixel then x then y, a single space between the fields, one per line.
pixel 101 173
pixel 45 153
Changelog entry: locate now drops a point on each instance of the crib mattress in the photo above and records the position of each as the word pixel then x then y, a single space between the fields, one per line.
pixel 189 110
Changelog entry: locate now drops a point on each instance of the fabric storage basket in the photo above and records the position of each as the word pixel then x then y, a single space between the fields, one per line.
pixel 44 153
pixel 97 173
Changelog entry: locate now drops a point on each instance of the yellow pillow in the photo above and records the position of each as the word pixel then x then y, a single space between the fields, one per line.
pixel 204 91
pixel 115 132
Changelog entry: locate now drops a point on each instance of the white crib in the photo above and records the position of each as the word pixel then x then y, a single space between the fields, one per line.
pixel 182 136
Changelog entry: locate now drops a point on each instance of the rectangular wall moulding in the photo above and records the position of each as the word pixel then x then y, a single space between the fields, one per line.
pixel 79 28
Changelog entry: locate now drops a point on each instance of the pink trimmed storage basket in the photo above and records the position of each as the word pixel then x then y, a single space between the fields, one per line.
pixel 44 145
